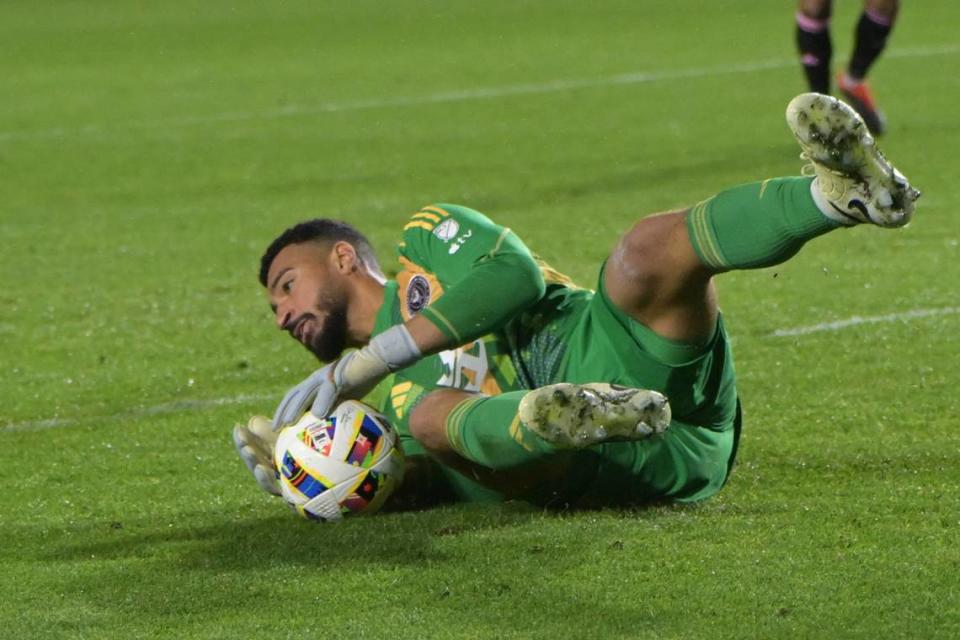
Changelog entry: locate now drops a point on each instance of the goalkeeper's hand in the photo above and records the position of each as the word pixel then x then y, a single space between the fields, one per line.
pixel 255 443
pixel 351 377
pixel 317 389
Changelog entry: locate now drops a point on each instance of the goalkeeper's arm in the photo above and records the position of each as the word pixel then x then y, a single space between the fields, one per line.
pixel 487 273
pixel 493 292
pixel 488 276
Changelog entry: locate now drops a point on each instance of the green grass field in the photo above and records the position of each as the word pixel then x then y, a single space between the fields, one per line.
pixel 150 151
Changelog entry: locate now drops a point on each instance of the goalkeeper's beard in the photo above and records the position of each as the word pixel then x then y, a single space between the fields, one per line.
pixel 328 343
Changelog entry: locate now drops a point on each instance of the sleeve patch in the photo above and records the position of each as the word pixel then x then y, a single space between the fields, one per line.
pixel 417 289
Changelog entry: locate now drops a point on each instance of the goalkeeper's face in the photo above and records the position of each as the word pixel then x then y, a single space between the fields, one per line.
pixel 310 297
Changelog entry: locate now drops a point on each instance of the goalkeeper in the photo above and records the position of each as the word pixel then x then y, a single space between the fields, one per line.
pixel 506 380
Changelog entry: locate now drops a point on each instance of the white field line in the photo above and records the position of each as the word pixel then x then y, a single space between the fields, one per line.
pixel 464 95
pixel 179 406
pixel 837 325
pixel 183 406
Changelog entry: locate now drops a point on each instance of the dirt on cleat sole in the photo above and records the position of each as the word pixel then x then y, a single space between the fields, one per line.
pixel 572 415
pixel 852 174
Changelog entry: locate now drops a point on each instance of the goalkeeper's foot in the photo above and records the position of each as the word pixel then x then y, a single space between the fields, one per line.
pixel 580 415
pixel 854 182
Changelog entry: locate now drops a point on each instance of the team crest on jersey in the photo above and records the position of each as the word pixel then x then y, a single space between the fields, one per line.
pixel 418 293
pixel 447 230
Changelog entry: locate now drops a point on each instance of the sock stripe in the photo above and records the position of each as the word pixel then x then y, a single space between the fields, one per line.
pixel 812 25
pixel 709 251
pixel 453 425
pixel 878 18
pixel 701 235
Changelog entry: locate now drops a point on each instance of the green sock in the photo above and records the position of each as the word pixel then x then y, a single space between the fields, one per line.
pixel 756 225
pixel 488 431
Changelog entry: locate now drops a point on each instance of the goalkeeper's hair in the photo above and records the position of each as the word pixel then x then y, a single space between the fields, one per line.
pixel 320 230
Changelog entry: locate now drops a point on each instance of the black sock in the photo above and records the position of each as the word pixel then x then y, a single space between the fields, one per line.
pixel 813 42
pixel 872 32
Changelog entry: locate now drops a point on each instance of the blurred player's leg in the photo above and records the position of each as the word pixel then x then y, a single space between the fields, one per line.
pixel 873 29
pixel 813 43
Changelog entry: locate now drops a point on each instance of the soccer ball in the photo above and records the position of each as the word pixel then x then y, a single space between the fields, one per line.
pixel 343 465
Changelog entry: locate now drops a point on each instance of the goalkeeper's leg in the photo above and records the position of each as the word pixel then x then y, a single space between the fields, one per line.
pixel 661 271
pixel 482 438
pixel 573 444
pixel 511 429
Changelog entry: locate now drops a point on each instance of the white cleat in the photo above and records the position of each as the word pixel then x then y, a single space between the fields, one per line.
pixel 858 184
pixel 580 415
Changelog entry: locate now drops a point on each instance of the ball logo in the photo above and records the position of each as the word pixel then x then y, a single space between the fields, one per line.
pixel 319 437
pixel 418 293
pixel 447 230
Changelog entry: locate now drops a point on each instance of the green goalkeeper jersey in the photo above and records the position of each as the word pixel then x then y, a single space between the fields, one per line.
pixel 522 325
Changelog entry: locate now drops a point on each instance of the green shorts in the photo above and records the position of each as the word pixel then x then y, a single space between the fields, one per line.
pixel 692 459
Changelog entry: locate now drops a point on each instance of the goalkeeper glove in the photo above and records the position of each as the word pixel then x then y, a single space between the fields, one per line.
pixel 351 377
pixel 255 444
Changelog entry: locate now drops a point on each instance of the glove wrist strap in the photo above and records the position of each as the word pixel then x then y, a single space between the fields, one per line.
pixel 390 351
pixel 395 347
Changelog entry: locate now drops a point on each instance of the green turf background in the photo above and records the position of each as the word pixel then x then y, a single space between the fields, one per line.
pixel 150 151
